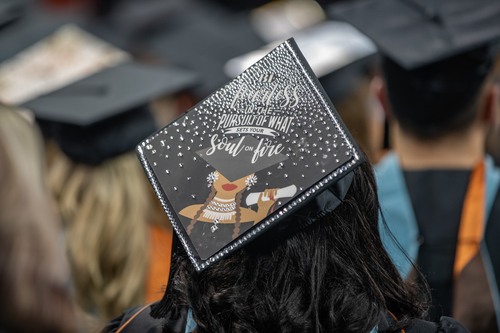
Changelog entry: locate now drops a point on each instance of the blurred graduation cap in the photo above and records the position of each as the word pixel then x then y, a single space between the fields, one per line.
pixel 10 11
pixel 203 39
pixel 65 55
pixel 106 114
pixel 338 53
pixel 415 33
pixel 27 24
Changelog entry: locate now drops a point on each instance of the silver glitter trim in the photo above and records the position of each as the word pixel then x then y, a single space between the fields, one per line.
pixel 157 189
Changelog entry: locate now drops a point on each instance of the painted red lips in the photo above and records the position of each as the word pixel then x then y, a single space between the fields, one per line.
pixel 229 187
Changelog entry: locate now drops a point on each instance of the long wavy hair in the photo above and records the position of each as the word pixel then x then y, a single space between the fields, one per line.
pixel 333 276
pixel 106 210
pixel 34 275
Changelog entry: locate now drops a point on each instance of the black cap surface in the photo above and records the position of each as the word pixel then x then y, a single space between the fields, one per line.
pixel 25 24
pixel 10 11
pixel 108 93
pixel 106 114
pixel 415 33
pixel 64 56
pixel 203 40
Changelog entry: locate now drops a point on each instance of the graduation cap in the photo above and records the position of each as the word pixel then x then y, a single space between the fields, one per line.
pixel 10 11
pixel 278 20
pixel 415 33
pixel 106 114
pixel 67 54
pixel 245 159
pixel 25 24
pixel 203 39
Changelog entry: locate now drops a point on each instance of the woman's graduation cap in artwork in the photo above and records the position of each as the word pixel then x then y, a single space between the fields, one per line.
pixel 243 160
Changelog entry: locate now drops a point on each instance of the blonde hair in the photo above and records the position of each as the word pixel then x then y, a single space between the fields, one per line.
pixel 34 276
pixel 106 210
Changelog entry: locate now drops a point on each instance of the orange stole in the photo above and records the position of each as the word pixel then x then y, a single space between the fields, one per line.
pixel 472 221
pixel 160 248
pixel 396 319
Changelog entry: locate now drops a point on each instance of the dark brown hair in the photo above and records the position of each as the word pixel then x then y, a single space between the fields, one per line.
pixel 332 276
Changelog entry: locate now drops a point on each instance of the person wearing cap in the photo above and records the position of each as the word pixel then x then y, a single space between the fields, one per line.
pixel 315 261
pixel 118 242
pixel 438 189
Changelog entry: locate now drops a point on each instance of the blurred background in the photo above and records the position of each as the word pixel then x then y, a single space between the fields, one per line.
pixel 174 53
pixel 47 44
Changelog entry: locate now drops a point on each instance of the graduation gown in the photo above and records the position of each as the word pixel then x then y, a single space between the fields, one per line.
pixel 423 210
pixel 139 320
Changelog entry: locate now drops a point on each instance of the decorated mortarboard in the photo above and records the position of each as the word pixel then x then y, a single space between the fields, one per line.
pixel 106 114
pixel 337 52
pixel 26 23
pixel 248 156
pixel 64 56
pixel 415 33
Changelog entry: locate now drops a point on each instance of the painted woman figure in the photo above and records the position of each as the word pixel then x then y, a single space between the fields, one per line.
pixel 227 210
pixel 223 205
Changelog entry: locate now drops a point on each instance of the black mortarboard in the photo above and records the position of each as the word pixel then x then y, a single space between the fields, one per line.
pixel 247 157
pixel 64 56
pixel 32 25
pixel 104 115
pixel 10 11
pixel 415 33
pixel 203 39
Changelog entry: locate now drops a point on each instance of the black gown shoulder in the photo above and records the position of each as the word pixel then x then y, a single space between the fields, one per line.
pixel 445 325
pixel 139 320
pixel 136 319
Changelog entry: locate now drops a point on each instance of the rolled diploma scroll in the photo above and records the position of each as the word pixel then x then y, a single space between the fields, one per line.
pixel 284 192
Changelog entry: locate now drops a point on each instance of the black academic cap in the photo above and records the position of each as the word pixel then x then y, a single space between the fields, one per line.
pixel 415 33
pixel 65 56
pixel 203 40
pixel 10 11
pixel 31 26
pixel 103 115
